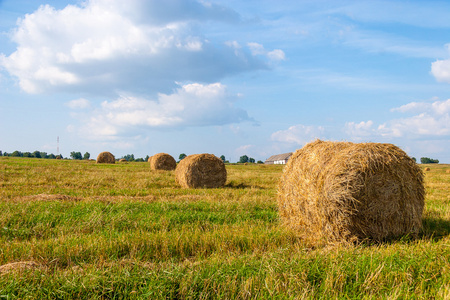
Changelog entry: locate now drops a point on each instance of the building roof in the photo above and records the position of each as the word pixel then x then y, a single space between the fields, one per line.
pixel 279 157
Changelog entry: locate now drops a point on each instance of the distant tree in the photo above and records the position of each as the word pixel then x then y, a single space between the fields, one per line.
pixel 129 157
pixel 27 154
pixel 427 160
pixel 76 155
pixel 251 160
pixel 17 154
pixel 1 154
pixel 51 156
pixel 37 154
pixel 146 158
pixel 222 157
pixel 260 162
pixel 139 159
pixel 414 159
pixel 6 154
pixel 87 155
pixel 44 155
pixel 243 159
pixel 182 155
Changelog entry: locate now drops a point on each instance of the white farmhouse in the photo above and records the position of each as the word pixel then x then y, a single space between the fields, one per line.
pixel 279 159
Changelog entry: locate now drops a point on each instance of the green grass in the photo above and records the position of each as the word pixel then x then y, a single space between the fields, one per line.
pixel 124 232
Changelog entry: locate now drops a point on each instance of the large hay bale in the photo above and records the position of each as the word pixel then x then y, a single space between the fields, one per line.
pixel 163 161
pixel 338 192
pixel 106 158
pixel 150 159
pixel 201 171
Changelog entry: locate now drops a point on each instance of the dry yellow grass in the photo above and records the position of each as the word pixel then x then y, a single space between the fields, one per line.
pixel 201 171
pixel 106 158
pixel 163 161
pixel 341 192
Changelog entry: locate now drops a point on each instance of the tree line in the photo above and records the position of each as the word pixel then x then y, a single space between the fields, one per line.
pixel 130 157
pixel 35 154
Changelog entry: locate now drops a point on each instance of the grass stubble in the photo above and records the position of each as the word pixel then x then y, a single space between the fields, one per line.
pixel 76 229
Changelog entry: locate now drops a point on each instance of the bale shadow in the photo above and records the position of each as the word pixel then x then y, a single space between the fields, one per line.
pixel 434 228
pixel 235 185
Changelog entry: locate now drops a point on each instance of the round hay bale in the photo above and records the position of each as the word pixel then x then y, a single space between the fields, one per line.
pixel 123 160
pixel 338 192
pixel 106 158
pixel 163 161
pixel 447 171
pixel 150 159
pixel 201 171
pixel 427 169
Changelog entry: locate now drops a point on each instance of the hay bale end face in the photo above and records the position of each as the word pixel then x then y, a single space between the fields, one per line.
pixel 163 161
pixel 339 192
pixel 427 169
pixel 201 171
pixel 106 158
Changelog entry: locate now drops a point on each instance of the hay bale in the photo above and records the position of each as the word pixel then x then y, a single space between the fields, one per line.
pixel 339 192
pixel 447 171
pixel 123 160
pixel 427 169
pixel 150 159
pixel 201 171
pixel 163 161
pixel 106 158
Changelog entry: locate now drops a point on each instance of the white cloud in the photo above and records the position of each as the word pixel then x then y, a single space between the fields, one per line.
pixel 298 134
pixel 191 105
pixel 358 131
pixel 428 119
pixel 107 47
pixel 258 49
pixel 79 103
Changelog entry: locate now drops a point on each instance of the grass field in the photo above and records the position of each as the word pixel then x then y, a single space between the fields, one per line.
pixel 76 229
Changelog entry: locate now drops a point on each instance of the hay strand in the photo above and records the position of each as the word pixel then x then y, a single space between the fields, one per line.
pixel 106 158
pixel 162 161
pixel 201 171
pixel 337 192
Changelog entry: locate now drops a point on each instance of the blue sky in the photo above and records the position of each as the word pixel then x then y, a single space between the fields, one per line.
pixel 224 77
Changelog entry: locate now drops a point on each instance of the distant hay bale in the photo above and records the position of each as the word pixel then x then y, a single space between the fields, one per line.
pixel 447 171
pixel 123 160
pixel 163 161
pixel 339 192
pixel 106 158
pixel 201 171
pixel 427 169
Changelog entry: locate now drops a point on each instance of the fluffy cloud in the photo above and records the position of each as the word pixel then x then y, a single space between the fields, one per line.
pixel 441 68
pixel 109 47
pixel 298 134
pixel 191 105
pixel 275 55
pixel 427 119
pixel 358 131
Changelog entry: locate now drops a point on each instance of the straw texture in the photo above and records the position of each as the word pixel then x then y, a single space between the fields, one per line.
pixel 162 161
pixel 201 171
pixel 337 192
pixel 106 158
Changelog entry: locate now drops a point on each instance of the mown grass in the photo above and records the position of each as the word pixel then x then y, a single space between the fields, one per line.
pixel 122 231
